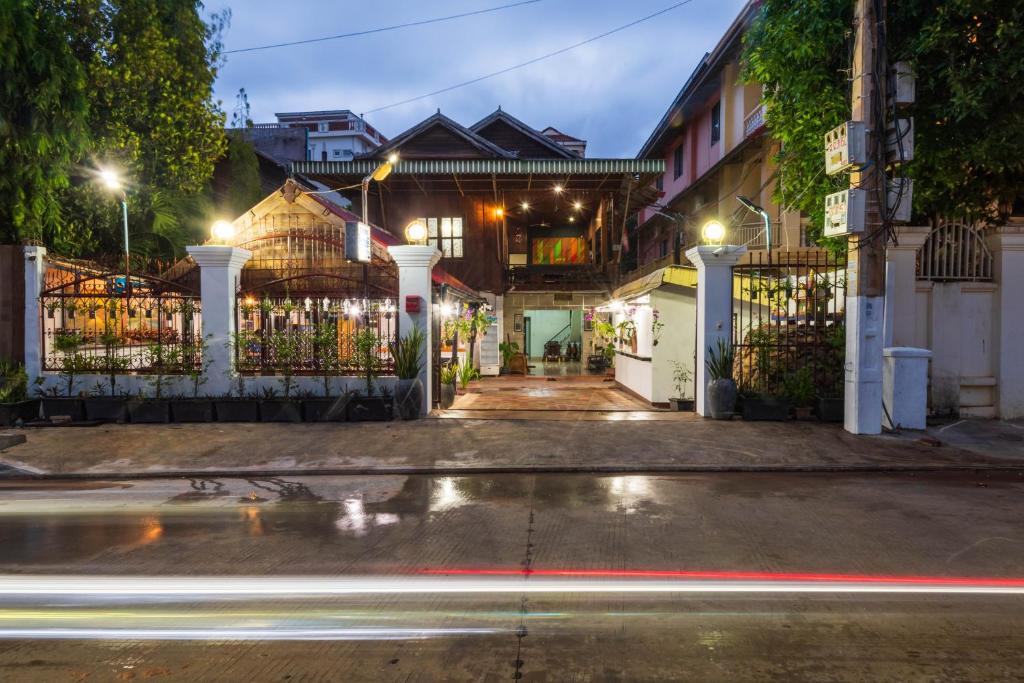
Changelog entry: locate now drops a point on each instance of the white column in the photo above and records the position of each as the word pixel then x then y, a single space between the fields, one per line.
pixel 714 307
pixel 35 276
pixel 862 396
pixel 901 286
pixel 219 269
pixel 415 263
pixel 1007 245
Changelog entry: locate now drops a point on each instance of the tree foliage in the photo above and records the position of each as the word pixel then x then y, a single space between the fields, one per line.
pixel 43 113
pixel 143 73
pixel 242 172
pixel 968 58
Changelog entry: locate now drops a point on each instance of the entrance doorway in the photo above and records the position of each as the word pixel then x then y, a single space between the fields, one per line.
pixel 553 341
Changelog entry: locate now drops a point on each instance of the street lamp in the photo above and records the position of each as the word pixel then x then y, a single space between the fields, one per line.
pixel 112 182
pixel 751 206
pixel 713 232
pixel 378 174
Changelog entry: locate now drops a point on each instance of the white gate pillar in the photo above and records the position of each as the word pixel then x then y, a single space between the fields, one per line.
pixel 901 286
pixel 1007 246
pixel 219 269
pixel 714 307
pixel 35 277
pixel 415 263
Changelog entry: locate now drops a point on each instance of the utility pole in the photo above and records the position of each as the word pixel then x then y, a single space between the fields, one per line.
pixel 865 293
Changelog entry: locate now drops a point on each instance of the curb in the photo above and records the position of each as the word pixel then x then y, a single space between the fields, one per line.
pixel 10 472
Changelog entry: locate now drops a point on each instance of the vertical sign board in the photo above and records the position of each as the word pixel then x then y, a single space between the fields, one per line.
pixel 357 241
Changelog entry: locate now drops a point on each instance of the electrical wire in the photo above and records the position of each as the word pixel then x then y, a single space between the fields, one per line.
pixel 393 27
pixel 549 55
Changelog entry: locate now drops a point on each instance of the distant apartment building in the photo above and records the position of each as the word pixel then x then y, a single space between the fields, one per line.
pixel 335 135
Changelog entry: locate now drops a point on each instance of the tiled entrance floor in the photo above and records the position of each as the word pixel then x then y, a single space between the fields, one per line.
pixel 517 393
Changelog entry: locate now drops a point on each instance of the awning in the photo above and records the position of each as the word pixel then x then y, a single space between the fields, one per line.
pixel 363 167
pixel 681 276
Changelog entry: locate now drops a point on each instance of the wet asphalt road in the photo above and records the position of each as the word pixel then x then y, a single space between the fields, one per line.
pixel 398 529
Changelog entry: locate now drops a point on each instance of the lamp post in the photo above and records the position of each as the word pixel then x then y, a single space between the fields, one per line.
pixel 379 174
pixel 754 208
pixel 113 182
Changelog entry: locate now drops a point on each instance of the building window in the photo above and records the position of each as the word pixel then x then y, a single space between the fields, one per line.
pixel 660 183
pixel 337 154
pixel 322 126
pixel 445 233
pixel 664 248
pixel 716 122
pixel 677 161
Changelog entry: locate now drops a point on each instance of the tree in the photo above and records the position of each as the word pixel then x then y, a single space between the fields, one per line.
pixel 968 58
pixel 126 83
pixel 242 174
pixel 43 115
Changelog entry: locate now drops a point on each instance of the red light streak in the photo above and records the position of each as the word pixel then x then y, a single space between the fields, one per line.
pixel 734 576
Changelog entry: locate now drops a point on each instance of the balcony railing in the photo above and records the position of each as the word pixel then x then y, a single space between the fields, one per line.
pixel 546 278
pixel 754 121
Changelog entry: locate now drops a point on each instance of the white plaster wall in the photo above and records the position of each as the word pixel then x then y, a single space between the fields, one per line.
pixel 678 341
pixel 635 375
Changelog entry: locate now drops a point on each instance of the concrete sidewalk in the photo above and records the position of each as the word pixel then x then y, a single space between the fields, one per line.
pixel 471 445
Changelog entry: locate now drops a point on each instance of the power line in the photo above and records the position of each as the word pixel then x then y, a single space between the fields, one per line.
pixel 383 28
pixel 531 61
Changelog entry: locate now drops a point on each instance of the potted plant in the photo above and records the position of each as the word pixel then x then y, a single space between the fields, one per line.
pixel 101 405
pixel 326 408
pixel 72 364
pixel 196 363
pixel 449 374
pixel 680 378
pixel 368 407
pixel 830 398
pixel 15 405
pixel 407 354
pixel 282 407
pixel 239 405
pixel 799 389
pixel 466 374
pixel 165 361
pixel 721 390
pixel 508 349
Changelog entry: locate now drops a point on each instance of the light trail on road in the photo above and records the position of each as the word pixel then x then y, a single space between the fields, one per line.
pixel 484 582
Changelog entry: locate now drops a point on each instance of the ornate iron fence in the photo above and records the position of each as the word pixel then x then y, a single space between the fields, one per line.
pixel 102 322
pixel 788 324
pixel 314 335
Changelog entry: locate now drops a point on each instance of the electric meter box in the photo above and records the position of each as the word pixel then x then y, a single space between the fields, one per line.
pixel 844 213
pixel 899 197
pixel 845 147
pixel 899 141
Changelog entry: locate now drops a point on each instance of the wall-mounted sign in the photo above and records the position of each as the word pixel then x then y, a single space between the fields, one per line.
pixel 357 241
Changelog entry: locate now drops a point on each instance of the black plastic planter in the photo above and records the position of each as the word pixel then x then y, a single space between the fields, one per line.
pixel 681 404
pixel 105 408
pixel 765 409
pixel 26 411
pixel 63 406
pixel 446 397
pixel 280 410
pixel 237 410
pixel 192 410
pixel 830 409
pixel 369 409
pixel 149 410
pixel 330 409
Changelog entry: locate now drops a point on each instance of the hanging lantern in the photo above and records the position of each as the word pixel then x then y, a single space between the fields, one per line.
pixel 309 304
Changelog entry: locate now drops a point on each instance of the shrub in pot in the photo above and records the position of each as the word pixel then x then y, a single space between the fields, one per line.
pixel 798 387
pixel 466 374
pixel 15 405
pixel 508 349
pixel 102 407
pixel 195 362
pixel 407 353
pixel 721 391
pixel 369 407
pixel 276 408
pixel 680 377
pixel 325 408
pixel 449 375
